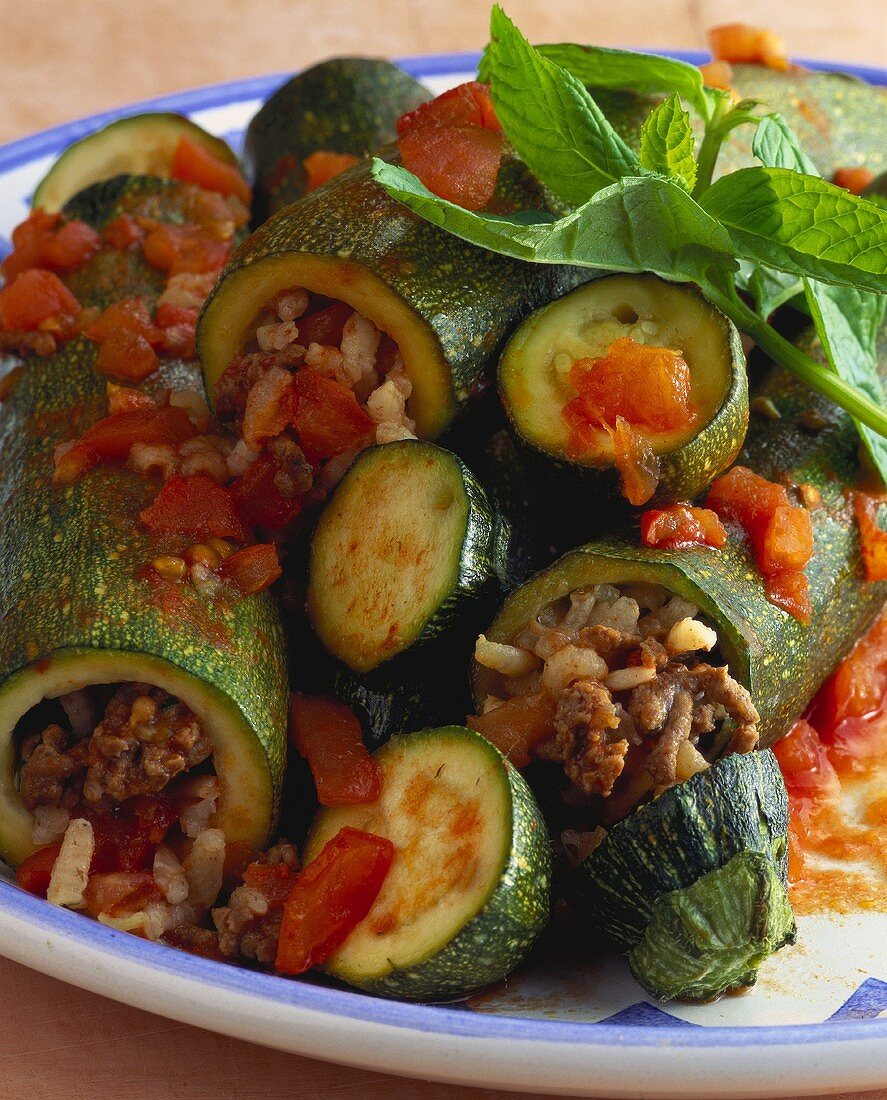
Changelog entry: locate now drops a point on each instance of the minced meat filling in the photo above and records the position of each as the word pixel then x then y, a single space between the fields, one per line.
pixel 144 739
pixel 625 671
pixel 249 925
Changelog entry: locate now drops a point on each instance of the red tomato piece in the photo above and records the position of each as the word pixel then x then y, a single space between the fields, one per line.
pixel 123 232
pixel 28 241
pixel 252 569
pixel 804 762
pixel 331 897
pixel 741 43
pixel 466 105
pixel 745 497
pixel 185 249
pixel 324 165
pixel 70 246
pixel 456 163
pixel 112 438
pixel 126 354
pixel 324 326
pixel 129 314
pixel 168 315
pixel 259 501
pixel 785 542
pixel 873 540
pixel 326 416
pixel 328 735
pixel 126 839
pixel 791 592
pixel 518 725
pixel 636 462
pixel 273 882
pixel 32 298
pixel 194 506
pixel 35 872
pixel 856 180
pixel 191 163
pixel 125 399
pixel 681 525
pixel 717 74
pixel 858 686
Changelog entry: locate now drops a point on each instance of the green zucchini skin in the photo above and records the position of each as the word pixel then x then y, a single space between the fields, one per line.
pixel 685 470
pixel 460 302
pixel 498 935
pixel 472 576
pixel 73 592
pixel 781 661
pixel 344 105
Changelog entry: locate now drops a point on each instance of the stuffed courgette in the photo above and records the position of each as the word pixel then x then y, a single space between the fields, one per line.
pixel 345 107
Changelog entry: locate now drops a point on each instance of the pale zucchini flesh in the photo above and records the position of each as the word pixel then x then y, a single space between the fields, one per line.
pixel 467 892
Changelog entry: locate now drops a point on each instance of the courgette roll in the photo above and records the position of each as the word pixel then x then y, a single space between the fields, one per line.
pixel 142 720
pixel 628 385
pixel 335 112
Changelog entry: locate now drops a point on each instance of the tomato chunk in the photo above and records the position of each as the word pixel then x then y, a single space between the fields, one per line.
pixel 123 232
pixel 71 246
pixel 194 506
pixel 741 43
pixel 790 591
pixel 873 540
pixel 518 725
pixel 636 462
pixel 47 241
pixel 324 165
pixel 259 501
pixel 328 735
pixel 191 163
pixel 274 881
pixel 467 104
pixel 126 354
pixel 126 839
pixel 324 326
pixel 858 686
pixel 185 249
pixel 252 569
pixel 326 416
pixel 456 163
pixel 112 438
pixel 130 314
pixel 35 872
pixel 717 74
pixel 856 180
pixel 331 897
pixel 649 387
pixel 28 241
pixel 32 298
pixel 681 525
pixel 804 762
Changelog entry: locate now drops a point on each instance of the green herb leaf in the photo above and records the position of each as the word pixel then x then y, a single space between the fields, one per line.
pixel 667 144
pixel 644 73
pixel 802 225
pixel 847 322
pixel 641 223
pixel 769 289
pixel 550 118
pixel 776 145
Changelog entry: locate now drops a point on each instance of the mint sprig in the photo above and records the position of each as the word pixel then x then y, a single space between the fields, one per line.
pixel 667 144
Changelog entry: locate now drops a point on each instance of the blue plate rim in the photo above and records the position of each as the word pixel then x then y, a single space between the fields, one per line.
pixel 335 1002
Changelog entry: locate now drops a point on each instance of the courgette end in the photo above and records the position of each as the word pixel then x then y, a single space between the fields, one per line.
pixel 711 937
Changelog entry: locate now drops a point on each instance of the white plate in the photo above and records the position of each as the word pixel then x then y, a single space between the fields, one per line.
pixel 816 1022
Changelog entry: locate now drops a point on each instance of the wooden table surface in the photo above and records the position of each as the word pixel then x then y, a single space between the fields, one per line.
pixel 60 59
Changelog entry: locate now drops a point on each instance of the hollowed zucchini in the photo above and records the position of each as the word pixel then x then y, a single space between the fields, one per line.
pixel 583 324
pixel 344 105
pixel 404 544
pixel 447 304
pixel 139 145
pixel 468 890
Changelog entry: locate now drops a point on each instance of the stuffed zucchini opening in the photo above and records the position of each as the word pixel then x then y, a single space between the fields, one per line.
pixel 624 683
pixel 126 790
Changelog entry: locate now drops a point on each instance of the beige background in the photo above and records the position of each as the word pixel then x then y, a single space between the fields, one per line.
pixel 60 59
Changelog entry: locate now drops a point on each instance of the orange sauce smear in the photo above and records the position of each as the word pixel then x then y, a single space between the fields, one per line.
pixel 835 767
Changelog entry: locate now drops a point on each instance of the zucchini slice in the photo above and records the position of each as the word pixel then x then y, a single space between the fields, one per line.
pixel 447 305
pixel 536 389
pixel 403 545
pixel 693 885
pixel 139 145
pixel 344 105
pixel 468 891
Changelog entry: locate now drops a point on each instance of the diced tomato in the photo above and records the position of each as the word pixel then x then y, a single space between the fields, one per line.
pixel 324 326
pixel 191 163
pixel 28 241
pixel 717 74
pixel 129 314
pixel 32 298
pixel 468 104
pixel 126 354
pixel 328 735
pixel 168 315
pixel 741 43
pixel 274 882
pixel 324 165
pixel 112 438
pixel 120 893
pixel 744 496
pixel 259 501
pixel 858 686
pixel 804 762
pixel 790 591
pixel 679 526
pixel 326 416
pixel 252 569
pixel 873 540
pixel 856 180
pixel 126 840
pixel 71 246
pixel 35 872
pixel 331 897
pixel 185 249
pixel 518 725
pixel 456 163
pixel 636 462
pixel 123 232
pixel 125 399
pixel 194 506
pixel 786 540
pixel 647 386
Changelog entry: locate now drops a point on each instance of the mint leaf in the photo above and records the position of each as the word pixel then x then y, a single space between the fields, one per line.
pixel 769 289
pixel 550 119
pixel 802 225
pixel 776 145
pixel 667 144
pixel 644 73
pixel 847 322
